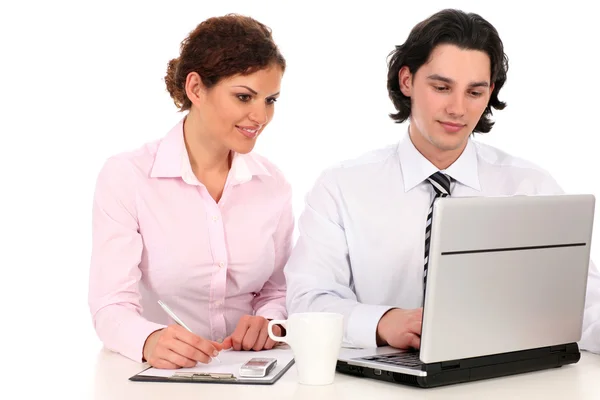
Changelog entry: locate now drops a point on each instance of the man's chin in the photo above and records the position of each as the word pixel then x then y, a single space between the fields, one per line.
pixel 449 144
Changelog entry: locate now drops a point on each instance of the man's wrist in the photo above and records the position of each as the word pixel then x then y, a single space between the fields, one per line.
pixel 378 336
pixel 379 340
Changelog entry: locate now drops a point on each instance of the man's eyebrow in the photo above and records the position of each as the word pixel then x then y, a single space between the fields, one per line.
pixel 437 77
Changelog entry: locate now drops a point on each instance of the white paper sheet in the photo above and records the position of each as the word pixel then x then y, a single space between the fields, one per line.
pixel 231 361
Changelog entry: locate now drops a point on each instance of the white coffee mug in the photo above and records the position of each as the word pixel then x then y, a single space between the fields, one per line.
pixel 316 340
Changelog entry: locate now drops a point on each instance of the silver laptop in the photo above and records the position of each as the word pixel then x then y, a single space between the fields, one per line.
pixel 505 291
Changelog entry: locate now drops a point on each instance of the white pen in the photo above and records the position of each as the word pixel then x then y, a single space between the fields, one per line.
pixel 177 320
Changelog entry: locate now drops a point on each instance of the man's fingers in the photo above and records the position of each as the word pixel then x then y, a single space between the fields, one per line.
pixel 409 340
pixel 415 342
pixel 415 327
pixel 416 315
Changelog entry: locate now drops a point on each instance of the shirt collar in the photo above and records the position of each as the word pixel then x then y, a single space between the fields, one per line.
pixel 171 149
pixel 416 168
pixel 172 161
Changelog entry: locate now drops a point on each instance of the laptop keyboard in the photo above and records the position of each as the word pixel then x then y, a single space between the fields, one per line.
pixel 409 359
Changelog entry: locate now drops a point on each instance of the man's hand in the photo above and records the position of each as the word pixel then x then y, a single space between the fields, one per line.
pixel 400 328
pixel 251 334
pixel 175 347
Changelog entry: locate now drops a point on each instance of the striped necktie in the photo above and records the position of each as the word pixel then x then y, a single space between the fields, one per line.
pixel 441 186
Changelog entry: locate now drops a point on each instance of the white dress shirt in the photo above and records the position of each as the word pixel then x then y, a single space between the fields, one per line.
pixel 360 250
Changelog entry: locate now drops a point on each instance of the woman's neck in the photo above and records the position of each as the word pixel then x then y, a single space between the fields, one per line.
pixel 206 155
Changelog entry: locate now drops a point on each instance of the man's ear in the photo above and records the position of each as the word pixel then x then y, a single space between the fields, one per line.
pixel 405 80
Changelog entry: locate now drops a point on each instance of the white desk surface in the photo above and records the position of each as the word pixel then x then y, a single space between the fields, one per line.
pixel 578 381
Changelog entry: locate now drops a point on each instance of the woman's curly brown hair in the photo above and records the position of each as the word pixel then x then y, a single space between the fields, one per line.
pixel 220 47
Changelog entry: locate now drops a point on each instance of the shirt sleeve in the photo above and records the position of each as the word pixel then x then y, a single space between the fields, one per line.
pixel 318 272
pixel 114 298
pixel 590 338
pixel 270 302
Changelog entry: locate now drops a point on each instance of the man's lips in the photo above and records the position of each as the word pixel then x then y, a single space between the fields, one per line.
pixel 451 127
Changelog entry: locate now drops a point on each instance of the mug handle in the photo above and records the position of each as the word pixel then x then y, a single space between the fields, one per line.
pixel 270 330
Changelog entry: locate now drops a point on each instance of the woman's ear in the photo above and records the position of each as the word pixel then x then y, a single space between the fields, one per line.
pixel 195 89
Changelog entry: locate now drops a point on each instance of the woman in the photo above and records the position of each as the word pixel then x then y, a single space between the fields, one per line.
pixel 195 219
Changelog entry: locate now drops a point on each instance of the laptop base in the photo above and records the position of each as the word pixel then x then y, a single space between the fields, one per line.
pixel 473 369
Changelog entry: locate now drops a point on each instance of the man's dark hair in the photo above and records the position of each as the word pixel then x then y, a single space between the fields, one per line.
pixel 464 30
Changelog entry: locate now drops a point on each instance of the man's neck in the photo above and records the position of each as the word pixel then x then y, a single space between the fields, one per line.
pixel 441 159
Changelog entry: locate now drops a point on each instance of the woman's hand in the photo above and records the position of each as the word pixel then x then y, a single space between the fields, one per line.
pixel 175 347
pixel 251 334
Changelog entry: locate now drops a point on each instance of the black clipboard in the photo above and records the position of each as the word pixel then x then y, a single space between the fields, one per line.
pixel 210 377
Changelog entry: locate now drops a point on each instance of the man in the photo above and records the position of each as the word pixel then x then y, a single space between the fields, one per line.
pixel 362 235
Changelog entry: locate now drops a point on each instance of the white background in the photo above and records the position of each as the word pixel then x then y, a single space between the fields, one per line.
pixel 81 81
